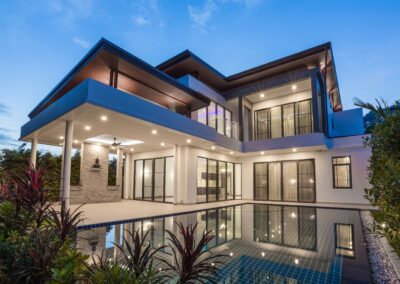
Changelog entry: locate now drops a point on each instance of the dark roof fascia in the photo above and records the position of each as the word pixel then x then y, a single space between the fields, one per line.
pixel 185 55
pixel 287 59
pixel 104 44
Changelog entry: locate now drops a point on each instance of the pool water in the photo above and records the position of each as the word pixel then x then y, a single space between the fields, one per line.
pixel 265 243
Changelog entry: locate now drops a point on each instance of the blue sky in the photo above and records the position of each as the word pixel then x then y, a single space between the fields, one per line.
pixel 41 40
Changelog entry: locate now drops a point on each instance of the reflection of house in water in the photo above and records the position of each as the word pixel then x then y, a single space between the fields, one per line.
pixel 265 243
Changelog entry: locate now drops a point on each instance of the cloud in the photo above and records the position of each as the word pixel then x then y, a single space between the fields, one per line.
pixel 201 16
pixel 248 3
pixel 81 42
pixel 6 139
pixel 139 20
pixel 3 109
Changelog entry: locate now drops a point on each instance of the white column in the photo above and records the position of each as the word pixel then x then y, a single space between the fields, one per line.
pixel 66 179
pixel 176 173
pixel 33 152
pixel 127 177
pixel 118 170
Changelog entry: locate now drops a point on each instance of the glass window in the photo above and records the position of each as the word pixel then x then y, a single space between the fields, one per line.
pixel 221 180
pixel 138 179
pixel 148 179
pixel 288 120
pixel 159 179
pixel 220 120
pixel 212 181
pixel 112 169
pixel 341 172
pixel 289 173
pixel 260 183
pixel 274 181
pixel 291 226
pixel 238 181
pixel 228 123
pixel 306 181
pixel 275 224
pixel 262 124
pixel 276 122
pixel 201 180
pixel 169 179
pixel 229 181
pixel 212 115
pixel 304 117
pixel 344 240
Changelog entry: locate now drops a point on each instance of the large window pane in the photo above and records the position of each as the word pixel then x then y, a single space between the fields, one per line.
pixel 276 122
pixel 228 123
pixel 306 181
pixel 262 124
pixel 229 181
pixel 212 180
pixel 260 176
pixel 221 180
pixel 148 179
pixel 289 171
pixel 212 115
pixel 201 180
pixel 288 120
pixel 274 181
pixel 220 119
pixel 238 181
pixel 138 179
pixel 169 179
pixel 304 117
pixel 341 172
pixel 159 180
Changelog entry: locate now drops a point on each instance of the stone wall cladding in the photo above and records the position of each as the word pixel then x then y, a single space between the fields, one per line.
pixel 93 186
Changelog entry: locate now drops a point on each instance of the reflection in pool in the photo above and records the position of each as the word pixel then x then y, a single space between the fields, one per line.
pixel 266 243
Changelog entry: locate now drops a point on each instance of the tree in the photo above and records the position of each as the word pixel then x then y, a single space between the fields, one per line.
pixel 384 168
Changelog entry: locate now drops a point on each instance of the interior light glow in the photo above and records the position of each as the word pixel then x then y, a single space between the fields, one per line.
pixel 213 147
pixel 262 153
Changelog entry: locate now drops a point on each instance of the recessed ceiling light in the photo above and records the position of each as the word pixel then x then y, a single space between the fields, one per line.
pixel 60 144
pixel 132 149
pixel 103 118
pixel 262 153
pixel 76 141
pixel 189 141
pixel 112 147
pixel 213 147
pixel 154 131
pixel 87 127
pixel 231 152
pixel 262 95
pixel 294 150
pixel 294 87
pixel 61 137
pixel 162 144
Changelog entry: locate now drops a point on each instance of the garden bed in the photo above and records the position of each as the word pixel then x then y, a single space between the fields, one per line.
pixel 382 261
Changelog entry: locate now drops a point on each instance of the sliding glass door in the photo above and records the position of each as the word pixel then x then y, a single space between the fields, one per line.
pixel 292 181
pixel 284 120
pixel 154 179
pixel 218 180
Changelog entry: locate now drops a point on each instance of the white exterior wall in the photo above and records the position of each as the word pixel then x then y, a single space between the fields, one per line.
pixel 323 173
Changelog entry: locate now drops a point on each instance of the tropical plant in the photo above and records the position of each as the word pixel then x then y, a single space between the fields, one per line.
pixel 384 168
pixel 192 262
pixel 137 257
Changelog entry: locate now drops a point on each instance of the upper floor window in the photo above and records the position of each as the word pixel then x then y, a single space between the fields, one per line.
pixel 341 167
pixel 215 116
pixel 284 120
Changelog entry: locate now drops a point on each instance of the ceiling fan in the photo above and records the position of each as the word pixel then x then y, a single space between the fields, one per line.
pixel 115 144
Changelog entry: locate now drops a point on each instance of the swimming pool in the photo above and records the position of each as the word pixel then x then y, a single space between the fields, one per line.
pixel 265 243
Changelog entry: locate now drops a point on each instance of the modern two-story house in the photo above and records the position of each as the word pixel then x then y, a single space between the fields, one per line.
pixel 184 133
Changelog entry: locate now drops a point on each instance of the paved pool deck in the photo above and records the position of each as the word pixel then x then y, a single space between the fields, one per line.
pixel 96 213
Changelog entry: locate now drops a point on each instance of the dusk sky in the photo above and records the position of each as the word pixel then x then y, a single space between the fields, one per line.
pixel 42 40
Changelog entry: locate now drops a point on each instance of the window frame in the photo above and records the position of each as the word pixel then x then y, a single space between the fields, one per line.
pixel 353 249
pixel 350 172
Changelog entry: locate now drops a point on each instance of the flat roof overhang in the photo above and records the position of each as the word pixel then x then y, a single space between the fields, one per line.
pixel 106 57
pixel 128 116
pixel 320 56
